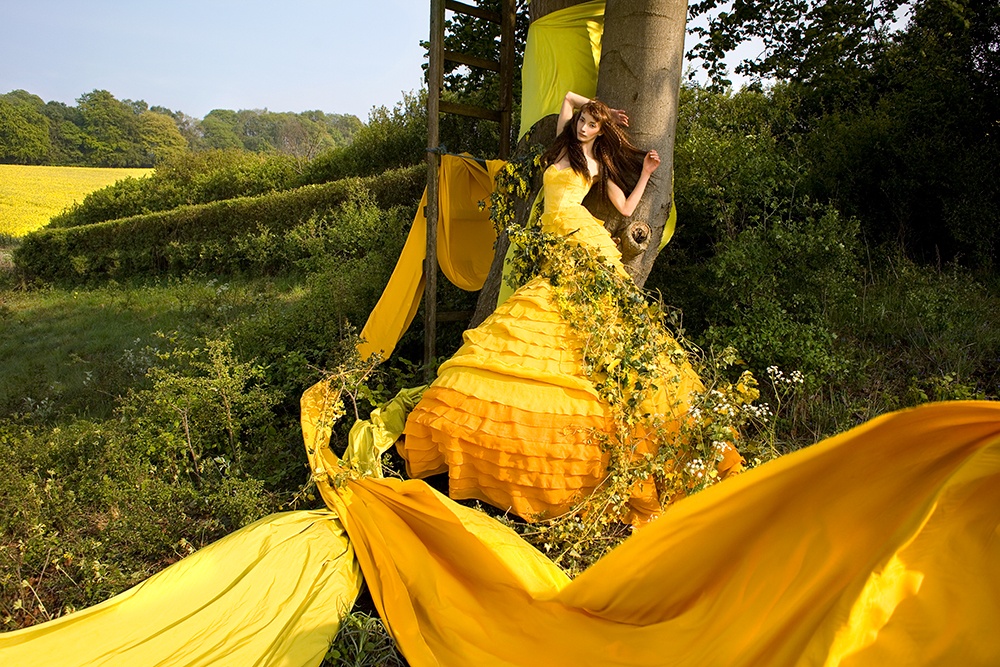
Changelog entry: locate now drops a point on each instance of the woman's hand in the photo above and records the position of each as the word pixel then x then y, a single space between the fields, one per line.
pixel 651 162
pixel 620 116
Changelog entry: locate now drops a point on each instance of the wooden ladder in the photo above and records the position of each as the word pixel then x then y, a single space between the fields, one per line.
pixel 436 106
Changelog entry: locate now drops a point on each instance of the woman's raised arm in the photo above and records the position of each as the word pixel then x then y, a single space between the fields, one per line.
pixel 572 102
pixel 626 205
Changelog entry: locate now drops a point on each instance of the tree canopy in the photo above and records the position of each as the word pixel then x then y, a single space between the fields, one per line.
pixel 802 39
pixel 24 134
pixel 103 131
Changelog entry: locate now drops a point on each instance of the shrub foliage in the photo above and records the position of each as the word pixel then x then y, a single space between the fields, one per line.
pixel 226 236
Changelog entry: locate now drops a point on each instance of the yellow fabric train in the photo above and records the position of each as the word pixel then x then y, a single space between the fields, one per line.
pixel 880 546
pixel 464 250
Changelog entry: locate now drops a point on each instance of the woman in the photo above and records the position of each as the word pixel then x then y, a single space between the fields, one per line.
pixel 513 417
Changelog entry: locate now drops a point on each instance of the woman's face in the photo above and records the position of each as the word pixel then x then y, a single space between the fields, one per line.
pixel 588 128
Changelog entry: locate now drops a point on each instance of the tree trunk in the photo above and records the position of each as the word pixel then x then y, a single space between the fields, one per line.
pixel 641 64
pixel 642 57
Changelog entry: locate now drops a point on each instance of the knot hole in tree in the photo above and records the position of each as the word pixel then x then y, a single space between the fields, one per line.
pixel 635 240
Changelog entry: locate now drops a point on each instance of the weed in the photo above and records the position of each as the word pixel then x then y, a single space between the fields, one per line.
pixel 362 641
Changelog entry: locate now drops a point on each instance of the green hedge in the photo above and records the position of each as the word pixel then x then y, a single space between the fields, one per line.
pixel 190 178
pixel 196 238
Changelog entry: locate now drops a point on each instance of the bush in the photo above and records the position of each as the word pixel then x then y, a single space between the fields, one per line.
pixel 935 334
pixel 351 230
pixel 733 166
pixel 97 506
pixel 295 340
pixel 779 292
pixel 90 516
pixel 196 238
pixel 203 409
pixel 189 178
pixel 778 288
pixel 391 140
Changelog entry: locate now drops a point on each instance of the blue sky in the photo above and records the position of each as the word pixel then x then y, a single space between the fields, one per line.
pixel 195 56
pixel 338 56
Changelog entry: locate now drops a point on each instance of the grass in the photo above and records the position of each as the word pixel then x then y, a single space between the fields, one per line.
pixel 31 195
pixel 363 641
pixel 78 350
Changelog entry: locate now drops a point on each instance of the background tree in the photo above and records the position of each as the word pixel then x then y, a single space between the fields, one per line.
pixel 896 106
pixel 188 126
pixel 219 129
pixel 301 135
pixel 258 129
pixel 102 131
pixel 159 137
pixel 802 39
pixel 66 132
pixel 24 98
pixel 391 138
pixel 305 135
pixel 111 131
pixel 916 162
pixel 24 134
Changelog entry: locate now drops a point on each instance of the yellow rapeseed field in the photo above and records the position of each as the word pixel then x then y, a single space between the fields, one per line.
pixel 30 195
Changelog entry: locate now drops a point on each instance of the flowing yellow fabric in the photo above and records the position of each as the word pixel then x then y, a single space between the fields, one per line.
pixel 371 438
pixel 670 226
pixel 877 547
pixel 464 250
pixel 465 232
pixel 269 594
pixel 880 546
pixel 562 53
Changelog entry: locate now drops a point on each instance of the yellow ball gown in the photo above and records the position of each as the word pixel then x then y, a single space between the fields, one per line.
pixel 511 415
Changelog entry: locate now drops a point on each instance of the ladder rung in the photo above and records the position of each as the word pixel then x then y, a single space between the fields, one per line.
pixel 472 61
pixel 468 110
pixel 462 8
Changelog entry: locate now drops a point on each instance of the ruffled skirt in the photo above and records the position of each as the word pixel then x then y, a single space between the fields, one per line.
pixel 512 417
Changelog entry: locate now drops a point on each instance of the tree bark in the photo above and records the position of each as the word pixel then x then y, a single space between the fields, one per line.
pixel 642 58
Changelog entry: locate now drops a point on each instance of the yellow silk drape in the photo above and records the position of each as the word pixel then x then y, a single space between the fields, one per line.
pixel 464 250
pixel 563 52
pixel 269 594
pixel 880 546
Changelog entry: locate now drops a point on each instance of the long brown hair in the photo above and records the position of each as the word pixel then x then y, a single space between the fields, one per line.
pixel 618 158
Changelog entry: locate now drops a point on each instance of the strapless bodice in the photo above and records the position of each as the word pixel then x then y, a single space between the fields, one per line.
pixel 563 188
pixel 565 215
